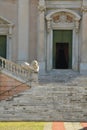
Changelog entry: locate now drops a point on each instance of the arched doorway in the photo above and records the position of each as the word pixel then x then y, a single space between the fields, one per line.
pixel 63 20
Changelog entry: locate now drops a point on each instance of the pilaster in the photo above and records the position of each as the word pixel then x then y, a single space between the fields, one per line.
pixel 83 64
pixel 41 34
pixel 23 30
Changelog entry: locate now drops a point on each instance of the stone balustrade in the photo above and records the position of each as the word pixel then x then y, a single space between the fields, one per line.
pixel 26 72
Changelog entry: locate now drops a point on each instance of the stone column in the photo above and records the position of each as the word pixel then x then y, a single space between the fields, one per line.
pixel 41 35
pixel 83 64
pixel 23 30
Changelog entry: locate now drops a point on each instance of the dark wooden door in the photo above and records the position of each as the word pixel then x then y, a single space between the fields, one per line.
pixel 62 55
pixel 62 42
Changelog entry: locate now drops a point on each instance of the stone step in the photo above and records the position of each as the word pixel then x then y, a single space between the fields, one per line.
pixel 48 102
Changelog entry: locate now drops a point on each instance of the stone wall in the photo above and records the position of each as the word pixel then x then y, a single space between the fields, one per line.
pixel 10 87
pixel 9 11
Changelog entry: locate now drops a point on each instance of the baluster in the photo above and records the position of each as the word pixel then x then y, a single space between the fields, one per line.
pixel 10 67
pixel 23 73
pixel 13 68
pixel 6 65
pixel 28 75
pixel 20 71
pixel 17 70
pixel 2 63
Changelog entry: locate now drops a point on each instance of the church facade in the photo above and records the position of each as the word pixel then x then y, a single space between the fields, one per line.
pixel 54 32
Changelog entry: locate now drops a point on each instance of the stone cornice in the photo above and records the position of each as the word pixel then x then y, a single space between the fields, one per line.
pixel 63 4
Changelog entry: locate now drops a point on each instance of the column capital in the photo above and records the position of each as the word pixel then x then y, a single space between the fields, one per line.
pixel 42 6
pixel 84 8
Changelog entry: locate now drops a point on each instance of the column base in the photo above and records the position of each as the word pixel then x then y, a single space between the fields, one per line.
pixel 42 69
pixel 83 68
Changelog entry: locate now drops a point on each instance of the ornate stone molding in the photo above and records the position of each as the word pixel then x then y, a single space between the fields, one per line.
pixel 41 6
pixel 6 25
pixel 84 9
pixel 77 25
pixel 63 18
pixel 49 24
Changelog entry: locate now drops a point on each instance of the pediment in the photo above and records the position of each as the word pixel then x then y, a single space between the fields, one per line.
pixel 62 12
pixel 63 18
pixel 4 21
pixel 5 26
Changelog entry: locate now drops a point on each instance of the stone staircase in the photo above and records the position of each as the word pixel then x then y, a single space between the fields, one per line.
pixel 60 96
pixel 16 78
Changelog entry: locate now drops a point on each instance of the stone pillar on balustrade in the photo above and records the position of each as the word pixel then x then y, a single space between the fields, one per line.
pixel 41 35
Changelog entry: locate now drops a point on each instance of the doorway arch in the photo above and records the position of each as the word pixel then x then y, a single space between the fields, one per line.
pixel 62 19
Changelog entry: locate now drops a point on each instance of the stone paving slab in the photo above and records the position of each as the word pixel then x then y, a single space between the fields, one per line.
pixel 48 126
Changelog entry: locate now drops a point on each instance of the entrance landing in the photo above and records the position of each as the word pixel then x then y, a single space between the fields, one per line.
pixel 62 77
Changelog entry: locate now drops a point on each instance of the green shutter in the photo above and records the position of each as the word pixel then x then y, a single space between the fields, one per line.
pixel 3 46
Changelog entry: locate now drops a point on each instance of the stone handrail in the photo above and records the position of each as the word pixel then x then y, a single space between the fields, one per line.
pixel 24 72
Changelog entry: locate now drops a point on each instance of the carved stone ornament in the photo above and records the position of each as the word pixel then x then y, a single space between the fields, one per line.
pixel 62 18
pixel 49 24
pixel 76 26
pixel 42 8
pixel 84 8
pixel 34 66
pixel 41 5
